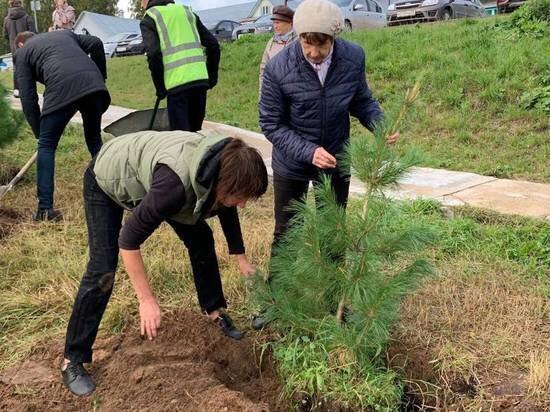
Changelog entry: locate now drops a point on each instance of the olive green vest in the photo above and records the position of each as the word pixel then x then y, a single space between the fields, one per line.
pixel 124 167
pixel 182 53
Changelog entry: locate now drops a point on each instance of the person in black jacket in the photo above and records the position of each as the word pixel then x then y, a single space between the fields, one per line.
pixel 186 100
pixel 74 82
pixel 15 22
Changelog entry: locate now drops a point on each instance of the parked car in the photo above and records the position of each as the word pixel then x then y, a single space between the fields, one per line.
pixel 507 6
pixel 418 11
pixel 124 44
pixel 223 29
pixel 362 14
pixel 261 25
pixel 130 47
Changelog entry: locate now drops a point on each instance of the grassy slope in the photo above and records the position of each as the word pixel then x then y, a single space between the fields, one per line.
pixel 481 321
pixel 468 117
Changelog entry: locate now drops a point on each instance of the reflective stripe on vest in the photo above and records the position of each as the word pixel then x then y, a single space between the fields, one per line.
pixel 182 53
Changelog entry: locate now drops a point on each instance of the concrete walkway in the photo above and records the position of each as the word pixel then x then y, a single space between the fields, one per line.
pixel 451 188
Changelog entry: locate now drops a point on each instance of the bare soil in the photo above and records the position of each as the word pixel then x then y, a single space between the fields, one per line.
pixel 191 366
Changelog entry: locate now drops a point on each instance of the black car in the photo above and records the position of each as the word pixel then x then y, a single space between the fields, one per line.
pixel 223 29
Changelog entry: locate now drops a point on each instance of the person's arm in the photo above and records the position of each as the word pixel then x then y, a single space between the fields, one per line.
pixel 164 198
pixel 363 106
pixel 231 226
pixel 30 24
pixel 273 122
pixel 27 93
pixel 212 49
pixel 151 42
pixel 6 31
pixel 94 47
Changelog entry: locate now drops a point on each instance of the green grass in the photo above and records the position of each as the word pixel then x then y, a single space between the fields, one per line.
pixel 482 318
pixel 469 116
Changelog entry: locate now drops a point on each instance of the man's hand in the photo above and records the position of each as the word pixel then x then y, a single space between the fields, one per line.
pixel 149 313
pixel 323 159
pixel 245 267
pixel 393 138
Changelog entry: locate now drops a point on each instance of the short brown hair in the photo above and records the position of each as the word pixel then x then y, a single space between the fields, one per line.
pixel 242 172
pixel 317 39
pixel 15 3
pixel 23 37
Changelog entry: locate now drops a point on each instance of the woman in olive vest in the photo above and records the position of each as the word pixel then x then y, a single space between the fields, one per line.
pixel 178 177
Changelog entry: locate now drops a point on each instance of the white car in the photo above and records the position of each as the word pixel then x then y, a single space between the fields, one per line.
pixel 362 14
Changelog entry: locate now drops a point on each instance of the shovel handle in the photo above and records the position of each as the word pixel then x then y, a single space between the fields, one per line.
pixel 24 169
pixel 155 110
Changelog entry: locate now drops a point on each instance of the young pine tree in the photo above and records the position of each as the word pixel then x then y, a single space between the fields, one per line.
pixel 338 279
pixel 9 120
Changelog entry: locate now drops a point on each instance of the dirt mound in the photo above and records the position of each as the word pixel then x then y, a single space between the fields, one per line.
pixel 8 220
pixel 190 366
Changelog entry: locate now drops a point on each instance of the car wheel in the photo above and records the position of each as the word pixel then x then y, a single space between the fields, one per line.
pixel 446 15
pixel 347 25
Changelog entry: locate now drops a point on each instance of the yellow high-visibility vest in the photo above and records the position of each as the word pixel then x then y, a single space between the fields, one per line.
pixel 182 53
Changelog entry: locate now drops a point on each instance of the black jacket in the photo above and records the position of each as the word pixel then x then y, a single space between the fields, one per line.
pixel 154 55
pixel 298 114
pixel 60 61
pixel 16 22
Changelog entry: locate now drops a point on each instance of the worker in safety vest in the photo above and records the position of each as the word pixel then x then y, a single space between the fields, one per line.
pixel 183 58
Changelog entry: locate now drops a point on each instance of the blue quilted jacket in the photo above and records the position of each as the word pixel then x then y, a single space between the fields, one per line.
pixel 298 114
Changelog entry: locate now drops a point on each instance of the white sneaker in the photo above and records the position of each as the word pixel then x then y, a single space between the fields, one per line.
pixel 16 93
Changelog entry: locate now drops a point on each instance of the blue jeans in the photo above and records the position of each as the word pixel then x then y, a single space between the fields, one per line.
pixel 52 126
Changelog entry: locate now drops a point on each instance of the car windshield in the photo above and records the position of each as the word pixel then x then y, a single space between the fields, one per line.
pixel 266 18
pixel 341 3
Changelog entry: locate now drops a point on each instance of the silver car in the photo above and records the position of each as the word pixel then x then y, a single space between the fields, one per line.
pixel 362 14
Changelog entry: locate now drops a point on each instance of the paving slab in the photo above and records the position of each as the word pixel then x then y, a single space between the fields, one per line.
pixel 448 187
pixel 515 197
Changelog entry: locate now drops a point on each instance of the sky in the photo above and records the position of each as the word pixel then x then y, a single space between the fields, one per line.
pixel 195 4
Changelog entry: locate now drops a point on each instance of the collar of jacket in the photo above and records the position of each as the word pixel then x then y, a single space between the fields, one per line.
pixel 154 3
pixel 305 62
pixel 15 13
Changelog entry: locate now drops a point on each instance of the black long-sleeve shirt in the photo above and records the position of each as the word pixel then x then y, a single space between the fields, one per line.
pixel 154 54
pixel 164 199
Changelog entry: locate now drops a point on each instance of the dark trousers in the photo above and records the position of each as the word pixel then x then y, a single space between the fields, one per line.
pixel 186 109
pixel 104 220
pixel 288 190
pixel 15 85
pixel 91 107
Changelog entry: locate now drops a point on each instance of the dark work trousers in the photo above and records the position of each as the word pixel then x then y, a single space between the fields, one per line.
pixel 186 109
pixel 104 220
pixel 91 107
pixel 287 190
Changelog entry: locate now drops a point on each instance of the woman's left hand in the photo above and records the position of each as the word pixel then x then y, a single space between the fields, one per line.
pixel 245 267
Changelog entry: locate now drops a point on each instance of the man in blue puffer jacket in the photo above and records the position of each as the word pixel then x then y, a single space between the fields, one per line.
pixel 310 89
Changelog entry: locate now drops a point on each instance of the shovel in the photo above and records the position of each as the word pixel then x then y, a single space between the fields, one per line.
pixel 4 189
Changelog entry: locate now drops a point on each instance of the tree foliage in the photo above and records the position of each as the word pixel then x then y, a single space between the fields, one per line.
pixel 10 121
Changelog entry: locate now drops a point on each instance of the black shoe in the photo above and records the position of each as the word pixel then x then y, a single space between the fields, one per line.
pixel 228 328
pixel 77 379
pixel 50 215
pixel 259 322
